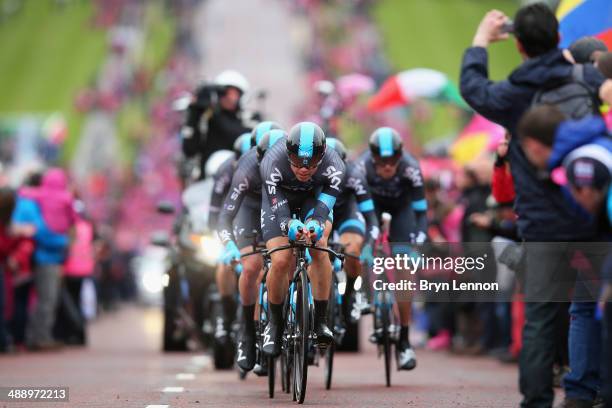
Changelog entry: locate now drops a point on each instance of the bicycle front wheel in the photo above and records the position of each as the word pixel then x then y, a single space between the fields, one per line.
pixel 302 331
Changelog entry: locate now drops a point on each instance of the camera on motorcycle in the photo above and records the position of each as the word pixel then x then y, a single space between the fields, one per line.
pixel 165 207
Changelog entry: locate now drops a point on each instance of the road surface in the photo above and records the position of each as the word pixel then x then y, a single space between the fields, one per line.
pixel 260 39
pixel 123 367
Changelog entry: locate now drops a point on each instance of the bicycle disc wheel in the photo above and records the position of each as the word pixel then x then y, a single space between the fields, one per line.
pixel 386 342
pixel 285 371
pixel 271 376
pixel 329 352
pixel 302 330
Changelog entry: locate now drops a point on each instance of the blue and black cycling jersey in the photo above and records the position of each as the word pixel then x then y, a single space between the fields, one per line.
pixel 403 194
pixel 356 188
pixel 245 187
pixel 283 191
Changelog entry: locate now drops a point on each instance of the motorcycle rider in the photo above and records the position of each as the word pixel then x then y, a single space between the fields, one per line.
pixel 213 120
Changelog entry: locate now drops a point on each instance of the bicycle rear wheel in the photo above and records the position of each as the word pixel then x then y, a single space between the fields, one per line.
pixel 301 337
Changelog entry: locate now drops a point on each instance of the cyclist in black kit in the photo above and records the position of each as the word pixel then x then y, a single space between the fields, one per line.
pixel 239 217
pixel 396 184
pixel 223 177
pixel 355 220
pixel 304 178
pixel 225 276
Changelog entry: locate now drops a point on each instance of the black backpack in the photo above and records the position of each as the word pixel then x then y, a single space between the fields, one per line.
pixel 572 96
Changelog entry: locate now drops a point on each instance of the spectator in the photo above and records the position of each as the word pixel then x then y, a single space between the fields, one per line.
pixel 15 252
pixel 604 64
pixel 589 174
pixel 585 49
pixel 54 199
pixel 543 214
pixel 80 262
pixel 48 256
pixel 502 185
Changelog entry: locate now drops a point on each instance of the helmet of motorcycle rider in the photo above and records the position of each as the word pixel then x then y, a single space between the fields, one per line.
pixel 324 87
pixel 306 145
pixel 338 146
pixel 268 140
pixel 261 129
pixel 386 145
pixel 234 79
pixel 242 144
pixel 216 160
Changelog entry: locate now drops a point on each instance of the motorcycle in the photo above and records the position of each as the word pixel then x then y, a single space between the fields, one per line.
pixel 188 284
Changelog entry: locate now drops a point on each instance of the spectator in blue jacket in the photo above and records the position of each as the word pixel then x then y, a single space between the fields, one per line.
pixel 543 213
pixel 49 256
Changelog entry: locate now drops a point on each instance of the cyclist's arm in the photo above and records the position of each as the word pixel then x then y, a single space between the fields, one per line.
pixel 238 189
pixel 272 177
pixel 333 177
pixel 359 184
pixel 414 178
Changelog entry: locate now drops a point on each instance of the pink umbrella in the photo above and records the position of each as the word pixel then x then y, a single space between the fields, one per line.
pixel 351 85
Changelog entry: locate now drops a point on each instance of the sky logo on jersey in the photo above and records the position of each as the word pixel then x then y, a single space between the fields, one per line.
pixel 306 146
pixel 385 142
pixel 334 177
pixel 274 178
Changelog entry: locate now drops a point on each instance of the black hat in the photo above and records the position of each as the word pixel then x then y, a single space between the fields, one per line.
pixel 583 48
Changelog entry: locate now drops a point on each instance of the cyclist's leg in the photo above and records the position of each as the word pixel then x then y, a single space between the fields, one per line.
pixel 402 224
pixel 320 273
pixel 321 269
pixel 351 227
pixel 226 285
pixel 247 220
pixel 277 281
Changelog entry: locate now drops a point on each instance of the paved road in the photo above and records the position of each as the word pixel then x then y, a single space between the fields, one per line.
pixel 122 367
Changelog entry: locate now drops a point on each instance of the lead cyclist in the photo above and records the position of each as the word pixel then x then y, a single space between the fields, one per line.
pixel 304 178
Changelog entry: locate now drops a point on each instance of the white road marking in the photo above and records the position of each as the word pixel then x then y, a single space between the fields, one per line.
pixel 157 406
pixel 200 360
pixel 185 376
pixel 173 389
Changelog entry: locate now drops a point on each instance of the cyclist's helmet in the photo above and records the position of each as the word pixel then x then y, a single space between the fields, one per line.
pixel 268 140
pixel 306 145
pixel 386 145
pixel 261 129
pixel 242 144
pixel 338 146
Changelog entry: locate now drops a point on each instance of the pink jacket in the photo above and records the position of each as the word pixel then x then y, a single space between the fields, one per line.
pixel 81 257
pixel 54 199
